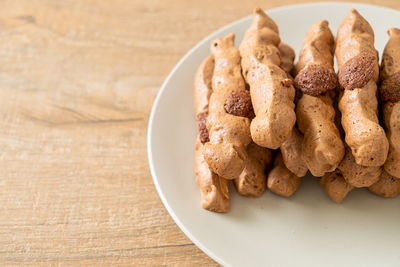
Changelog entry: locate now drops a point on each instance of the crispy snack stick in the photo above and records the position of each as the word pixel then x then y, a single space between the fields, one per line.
pixel 336 186
pixel 229 108
pixel 252 182
pixel 390 95
pixel 291 148
pixel 358 75
pixel 213 189
pixel 358 175
pixel 272 93
pixel 281 181
pixel 323 148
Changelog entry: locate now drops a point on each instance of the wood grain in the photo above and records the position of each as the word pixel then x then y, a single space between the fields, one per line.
pixel 77 82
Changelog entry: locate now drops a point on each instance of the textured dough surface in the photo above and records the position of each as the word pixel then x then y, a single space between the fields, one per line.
pixel 272 92
pixel 213 189
pixel 229 135
pixel 359 106
pixel 322 148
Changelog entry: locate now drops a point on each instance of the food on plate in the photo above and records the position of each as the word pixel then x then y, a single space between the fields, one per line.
pixel 322 148
pixel 246 108
pixel 272 92
pixel 229 109
pixel 291 148
pixel 213 189
pixel 389 91
pixel 358 75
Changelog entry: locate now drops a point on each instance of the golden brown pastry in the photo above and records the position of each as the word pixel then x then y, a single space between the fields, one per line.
pixel 253 181
pixel 390 95
pixel 358 75
pixel 272 93
pixel 281 181
pixel 336 186
pixel 358 175
pixel 229 108
pixel 322 148
pixel 213 189
pixel 387 186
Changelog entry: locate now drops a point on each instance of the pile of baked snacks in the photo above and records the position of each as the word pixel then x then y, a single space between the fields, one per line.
pixel 259 127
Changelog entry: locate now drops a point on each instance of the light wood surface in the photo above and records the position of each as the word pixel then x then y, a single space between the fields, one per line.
pixel 77 82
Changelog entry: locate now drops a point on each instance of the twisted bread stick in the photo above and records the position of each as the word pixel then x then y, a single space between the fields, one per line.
pixel 271 91
pixel 387 186
pixel 390 94
pixel 229 134
pixel 213 189
pixel 252 181
pixel 358 74
pixel 323 148
pixel 291 148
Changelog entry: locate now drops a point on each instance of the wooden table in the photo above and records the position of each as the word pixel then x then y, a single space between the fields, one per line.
pixel 77 82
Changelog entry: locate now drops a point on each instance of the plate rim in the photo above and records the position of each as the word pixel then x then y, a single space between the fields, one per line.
pixel 161 91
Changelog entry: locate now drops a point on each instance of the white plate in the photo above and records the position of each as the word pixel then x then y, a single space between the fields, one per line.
pixel 307 229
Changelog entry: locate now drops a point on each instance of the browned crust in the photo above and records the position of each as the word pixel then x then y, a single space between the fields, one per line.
pixel 357 71
pixel 390 88
pixel 238 103
pixel 316 80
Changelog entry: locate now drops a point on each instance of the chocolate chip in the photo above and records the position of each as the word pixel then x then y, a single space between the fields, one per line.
pixel 239 103
pixel 357 72
pixel 316 80
pixel 201 120
pixel 390 88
